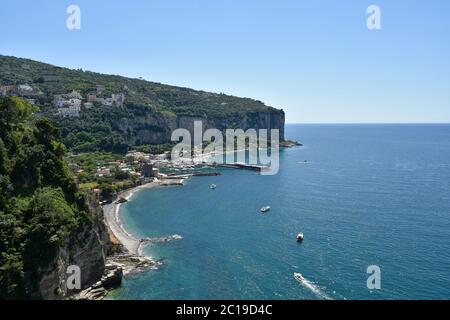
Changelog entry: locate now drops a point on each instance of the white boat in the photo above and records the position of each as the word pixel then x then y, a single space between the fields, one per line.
pixel 265 209
pixel 213 186
pixel 300 237
pixel 298 277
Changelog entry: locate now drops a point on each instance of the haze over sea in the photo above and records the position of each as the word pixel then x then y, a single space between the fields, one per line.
pixel 369 195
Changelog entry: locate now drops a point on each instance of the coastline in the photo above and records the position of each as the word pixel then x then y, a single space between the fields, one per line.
pixel 129 260
pixel 130 242
pixel 112 218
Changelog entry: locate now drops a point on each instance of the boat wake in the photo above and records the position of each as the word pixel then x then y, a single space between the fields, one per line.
pixel 315 289
pixel 161 239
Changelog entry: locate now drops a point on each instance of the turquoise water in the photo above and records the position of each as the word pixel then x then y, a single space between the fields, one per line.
pixel 369 195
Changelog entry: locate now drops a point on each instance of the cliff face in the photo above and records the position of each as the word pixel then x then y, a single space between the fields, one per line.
pixel 148 115
pixel 154 129
pixel 87 250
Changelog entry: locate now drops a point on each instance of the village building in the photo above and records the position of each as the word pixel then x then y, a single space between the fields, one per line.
pixel 138 156
pixel 8 90
pixel 149 171
pixel 70 111
pixel 106 102
pixel 116 99
pixel 68 105
pixel 92 97
pixel 102 172
pixel 75 95
pixel 25 90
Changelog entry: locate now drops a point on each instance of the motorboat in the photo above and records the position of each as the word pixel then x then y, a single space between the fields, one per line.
pixel 265 209
pixel 300 237
pixel 213 186
pixel 298 276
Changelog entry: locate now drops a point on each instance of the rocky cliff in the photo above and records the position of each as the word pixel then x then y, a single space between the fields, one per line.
pixel 87 249
pixel 154 129
pixel 148 115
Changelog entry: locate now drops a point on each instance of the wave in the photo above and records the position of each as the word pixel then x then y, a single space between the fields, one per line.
pixel 315 289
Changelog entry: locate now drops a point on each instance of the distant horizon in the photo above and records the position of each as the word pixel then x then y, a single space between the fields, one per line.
pixel 231 94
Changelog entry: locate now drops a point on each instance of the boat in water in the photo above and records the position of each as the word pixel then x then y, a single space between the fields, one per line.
pixel 298 276
pixel 265 209
pixel 213 186
pixel 300 237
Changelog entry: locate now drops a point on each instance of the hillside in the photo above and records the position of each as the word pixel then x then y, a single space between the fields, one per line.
pixel 148 114
pixel 45 223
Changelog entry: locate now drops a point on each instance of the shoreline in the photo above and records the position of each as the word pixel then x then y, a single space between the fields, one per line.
pixel 112 218
pixel 111 212
pixel 129 260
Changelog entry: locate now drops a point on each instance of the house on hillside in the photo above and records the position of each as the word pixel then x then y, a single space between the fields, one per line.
pixel 74 95
pixel 8 90
pixel 25 90
pixel 149 171
pixel 116 99
pixel 70 111
pixel 69 104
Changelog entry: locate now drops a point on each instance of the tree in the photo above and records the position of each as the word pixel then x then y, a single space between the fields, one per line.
pixel 40 209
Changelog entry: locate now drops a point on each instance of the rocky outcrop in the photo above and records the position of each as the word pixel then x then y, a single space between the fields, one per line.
pixel 116 268
pixel 148 128
pixel 154 128
pixel 290 144
pixel 132 263
pixel 256 120
pixel 112 278
pixel 87 250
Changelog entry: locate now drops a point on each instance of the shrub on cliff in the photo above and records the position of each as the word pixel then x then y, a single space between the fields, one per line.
pixel 39 206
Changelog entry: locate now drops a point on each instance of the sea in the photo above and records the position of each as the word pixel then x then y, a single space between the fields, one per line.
pixel 372 200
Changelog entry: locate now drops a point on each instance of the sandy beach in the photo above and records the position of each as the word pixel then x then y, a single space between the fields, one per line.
pixel 111 212
pixel 112 217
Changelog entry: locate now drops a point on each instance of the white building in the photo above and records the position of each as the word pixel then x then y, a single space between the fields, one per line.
pixel 75 95
pixel 68 104
pixel 107 102
pixel 75 102
pixel 71 111
pixel 25 89
pixel 61 102
pixel 118 99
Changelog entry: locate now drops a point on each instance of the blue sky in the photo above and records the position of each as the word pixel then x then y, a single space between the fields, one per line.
pixel 315 59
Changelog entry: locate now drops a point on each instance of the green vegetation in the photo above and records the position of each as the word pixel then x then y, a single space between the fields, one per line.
pixel 86 166
pixel 155 148
pixel 106 128
pixel 40 207
pixel 166 99
pixel 89 162
pixel 94 130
